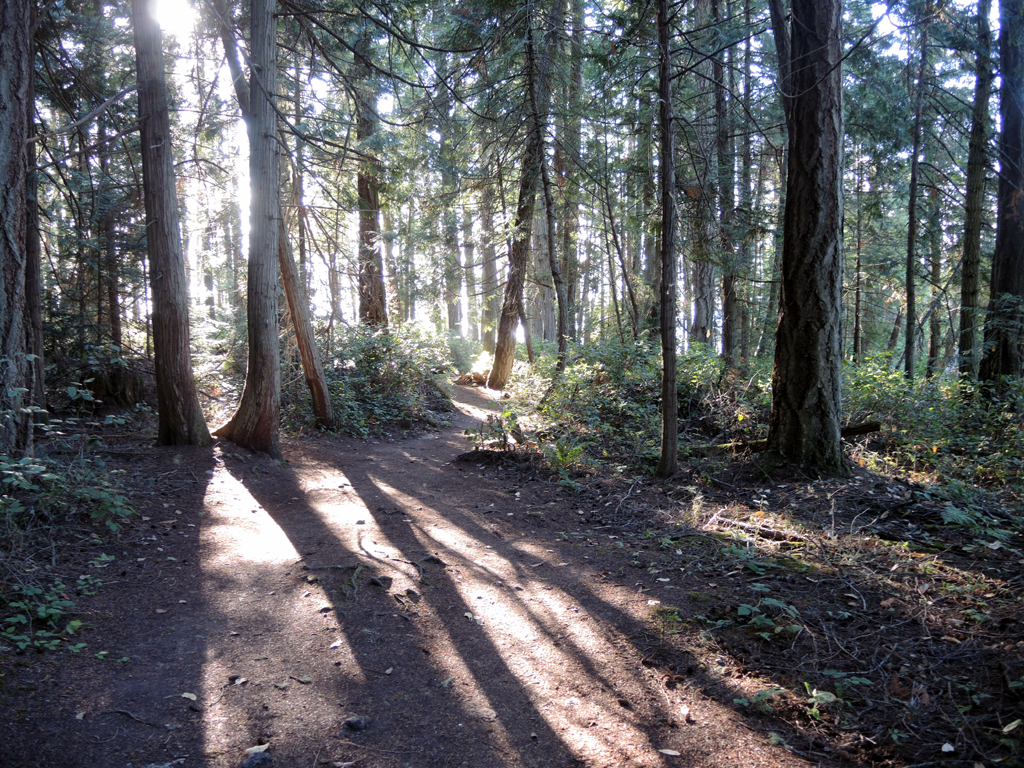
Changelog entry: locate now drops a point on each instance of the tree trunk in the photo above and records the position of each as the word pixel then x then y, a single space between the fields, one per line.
pixel 256 423
pixel 567 155
pixel 33 275
pixel 15 74
pixel 702 191
pixel 1004 326
pixel 974 208
pixel 539 78
pixel 295 285
pixel 909 339
pixel 934 364
pixel 312 368
pixel 807 377
pixel 726 203
pixel 181 420
pixel 372 302
pixel 669 268
pixel 489 288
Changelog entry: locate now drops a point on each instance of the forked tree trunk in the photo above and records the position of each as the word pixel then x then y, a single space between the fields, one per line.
pixel 807 377
pixel 539 77
pixel 181 420
pixel 15 73
pixel 256 423
pixel 295 287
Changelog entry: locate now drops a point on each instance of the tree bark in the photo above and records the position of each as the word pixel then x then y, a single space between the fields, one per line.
pixel 15 74
pixel 372 301
pixel 33 275
pixel 807 376
pixel 1004 325
pixel 294 284
pixel 256 423
pixel 181 420
pixel 974 207
pixel 669 268
pixel 909 339
pixel 539 77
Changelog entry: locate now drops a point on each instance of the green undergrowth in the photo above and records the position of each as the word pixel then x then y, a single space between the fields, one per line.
pixel 44 503
pixel 381 379
pixel 944 432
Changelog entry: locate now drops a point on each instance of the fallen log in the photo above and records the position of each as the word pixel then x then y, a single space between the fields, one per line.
pixel 757 446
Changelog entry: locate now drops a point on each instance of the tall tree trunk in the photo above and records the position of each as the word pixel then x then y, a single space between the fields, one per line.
pixel 539 78
pixel 181 420
pixel 489 312
pixel 312 367
pixel 669 268
pixel 15 74
pixel 256 423
pixel 977 156
pixel 771 316
pixel 807 377
pixel 934 364
pixel 857 354
pixel 33 273
pixel 1004 325
pixel 726 202
pixel 703 191
pixel 372 302
pixel 910 337
pixel 567 155
pixel 295 286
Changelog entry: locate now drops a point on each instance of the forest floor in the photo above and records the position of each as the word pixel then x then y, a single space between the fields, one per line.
pixel 399 602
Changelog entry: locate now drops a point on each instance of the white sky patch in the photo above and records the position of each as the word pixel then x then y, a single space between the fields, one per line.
pixel 176 17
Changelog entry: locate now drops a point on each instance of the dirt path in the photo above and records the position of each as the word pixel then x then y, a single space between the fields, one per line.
pixel 447 614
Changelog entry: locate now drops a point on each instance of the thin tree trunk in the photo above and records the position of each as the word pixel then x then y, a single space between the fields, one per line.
pixel 910 336
pixel 33 274
pixel 181 420
pixel 489 312
pixel 539 77
pixel 934 365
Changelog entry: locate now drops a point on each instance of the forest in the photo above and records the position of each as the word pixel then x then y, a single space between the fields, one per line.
pixel 687 254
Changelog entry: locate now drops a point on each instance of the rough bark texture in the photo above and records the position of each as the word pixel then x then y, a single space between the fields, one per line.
pixel 372 301
pixel 181 420
pixel 807 377
pixel 15 72
pixel 312 368
pixel 539 77
pixel 669 268
pixel 977 153
pixel 33 277
pixel 295 286
pixel 256 423
pixel 910 334
pixel 1003 326
pixel 489 286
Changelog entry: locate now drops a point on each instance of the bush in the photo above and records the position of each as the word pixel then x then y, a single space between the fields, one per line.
pixel 382 377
